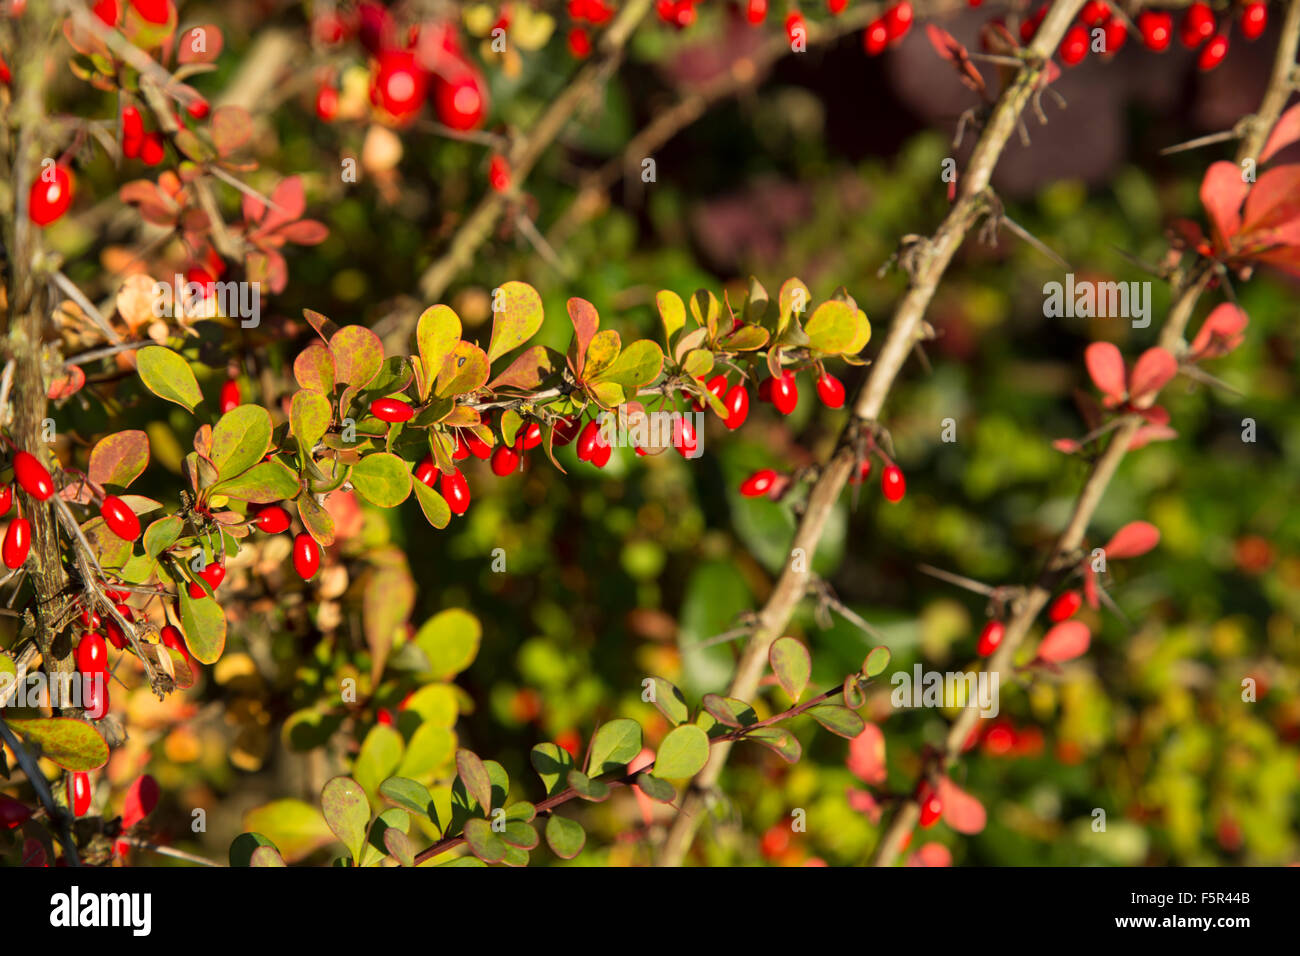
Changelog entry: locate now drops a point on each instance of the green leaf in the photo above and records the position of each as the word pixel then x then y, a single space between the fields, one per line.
pixel 518 321
pixel 854 696
pixel 245 845
pixel 266 856
pixel 162 534
pixel 382 479
pixel 436 510
pixel 464 370
pixel 528 371
pixel 521 835
pixel 262 484
pixel 399 845
pixel 779 740
pixel 204 624
pixel 436 704
pixel 475 778
pixel 450 642
pixel 314 369
pixel 552 763
pixel 358 354
pixel 347 813
pixel 614 745
pixel 669 701
pixel 601 353
pixel 586 320
pixel 729 711
pixel 672 311
pixel 436 335
pixel 240 439
pixel 838 720
pixel 832 327
pixel 315 518
pixel 429 750
pixel 637 365
pixel 309 417
pixel 168 376
pixel 587 788
pixel 379 757
pixel 658 790
pixel 410 795
pixel 876 662
pixel 72 744
pixel 565 837
pixel 683 753
pixel 792 665
pixel 744 339
pixel 295 827
pixel 119 459
pixel 483 842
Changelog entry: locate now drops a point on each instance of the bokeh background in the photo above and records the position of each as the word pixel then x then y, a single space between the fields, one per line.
pixel 816 172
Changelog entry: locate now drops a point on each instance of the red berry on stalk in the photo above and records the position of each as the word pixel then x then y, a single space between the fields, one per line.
pixel 529 437
pixel 1197 26
pixel 391 410
pixel 400 83
pixel 499 174
pixel 198 109
pixel 92 653
pixel 1254 19
pixel 1116 32
pixel 455 489
pixel 17 543
pixel 864 471
pixel 121 520
pixel 230 398
pixel 684 438
pixel 79 793
pixel 480 449
pixel 306 555
pixel 795 28
pixel 1094 13
pixel 737 402
pixel 107 11
pixel 566 429
pixel 1064 606
pixel 875 37
pixel 50 196
pixel 90 619
pixel 758 484
pixel 898 20
pixel 114 632
pixel 1212 53
pixel 459 101
pixel 990 638
pixel 1029 26
pixel 836 7
pixel 6 499
pixel 152 11
pixel 931 806
pixel 132 132
pixel 462 450
pixel 32 476
pixel 94 699
pixel 756 11
pixel 717 385
pixel 272 520
pixel 579 43
pixel 327 103
pixel 588 441
pixel 504 461
pixel 830 390
pixel 1157 29
pixel 151 150
pixel 892 483
pixel 426 472
pixel 1075 45
pixel 600 458
pixel 785 393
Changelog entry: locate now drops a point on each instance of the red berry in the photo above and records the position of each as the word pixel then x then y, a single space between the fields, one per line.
pixel 864 470
pixel 795 28
pixel 499 174
pixel 18 541
pixel 931 807
pixel 198 109
pixel 1197 26
pixel 898 20
pixel 459 101
pixel 114 632
pixel 756 11
pixel 50 196
pixel 1157 29
pixel 718 386
pixel 79 792
pixel 990 638
pixel 107 11
pixel 13 813
pixel 272 520
pixel 504 461
pixel 830 390
pixel 455 489
pixel 758 484
pixel 579 43
pixel 1064 606
pixel 892 483
pixel 151 150
pixel 737 402
pixel 426 472
pixel 836 7
pixel 306 555
pixel 600 458
pixel 566 429
pixel 400 83
pixel 785 393
pixel 462 450
pixel 90 619
pixel 327 103
pixel 152 11
pixel 94 699
pixel 1029 26
pixel 529 437
pixel 775 841
pixel 92 653
pixel 1075 45
pixel 481 449
pixel 172 637
pixel 213 574
pixel 1116 32
pixel 121 520
pixel 589 441
pixel 391 410
pixel 1254 18
pixel 875 38
pixel 6 499
pixel 1095 13
pixel 385 716
pixel 33 477
pixel 1213 53
pixel 684 438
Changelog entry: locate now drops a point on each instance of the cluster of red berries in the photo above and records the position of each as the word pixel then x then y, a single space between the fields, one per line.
pixel 887 30
pixel 1065 606
pixel 1198 29
pixel 597 13
pixel 147 147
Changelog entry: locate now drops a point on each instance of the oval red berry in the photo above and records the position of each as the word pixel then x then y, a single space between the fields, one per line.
pixel 32 476
pixel 391 410
pixel 17 543
pixel 272 520
pixel 892 483
pixel 306 555
pixel 119 517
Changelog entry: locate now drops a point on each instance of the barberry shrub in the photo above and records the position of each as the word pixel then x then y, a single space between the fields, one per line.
pixel 382 549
